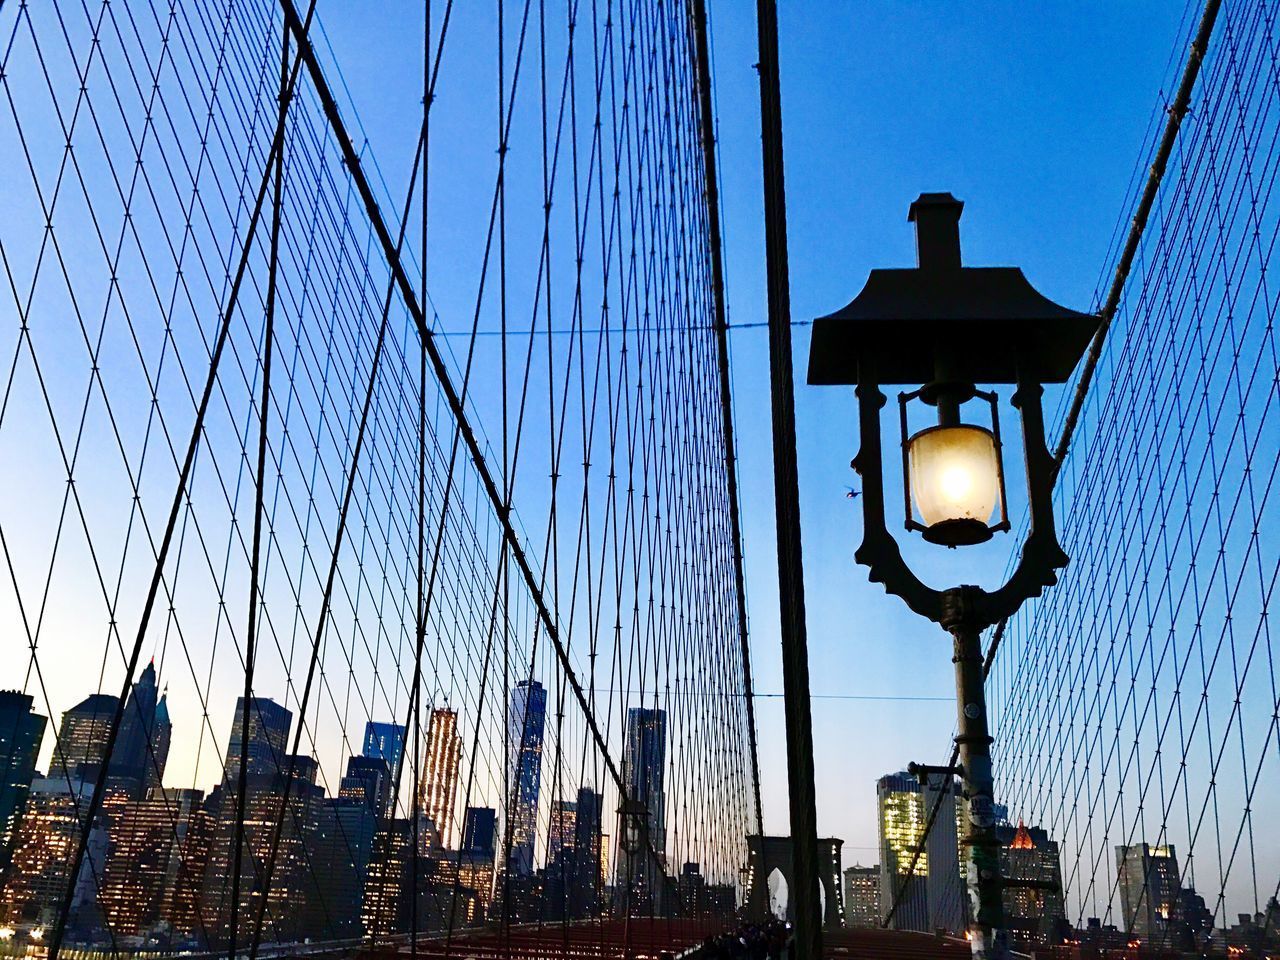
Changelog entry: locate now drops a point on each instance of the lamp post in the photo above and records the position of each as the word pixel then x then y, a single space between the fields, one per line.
pixel 633 815
pixel 943 328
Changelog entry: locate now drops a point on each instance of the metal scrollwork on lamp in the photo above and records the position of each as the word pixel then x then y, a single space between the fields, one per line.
pixel 942 329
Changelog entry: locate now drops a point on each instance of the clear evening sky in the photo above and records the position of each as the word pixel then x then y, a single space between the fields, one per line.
pixel 1034 115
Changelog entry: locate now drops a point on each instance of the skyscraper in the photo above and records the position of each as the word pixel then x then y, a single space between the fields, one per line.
pixel 21 732
pixel 475 860
pixel 1150 891
pixel 480 830
pixel 1034 912
pixel 339 858
pixel 932 895
pixel 560 841
pixel 142 745
pixel 862 896
pixel 43 851
pixel 438 787
pixel 147 839
pixel 385 741
pixel 644 762
pixel 368 780
pixel 82 738
pixel 588 852
pixel 286 909
pixel 526 718
pixel 269 725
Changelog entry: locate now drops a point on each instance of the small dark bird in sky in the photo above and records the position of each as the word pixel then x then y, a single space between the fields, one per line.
pixel 851 493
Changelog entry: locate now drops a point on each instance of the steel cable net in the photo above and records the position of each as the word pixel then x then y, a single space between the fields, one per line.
pixel 475 604
pixel 1135 703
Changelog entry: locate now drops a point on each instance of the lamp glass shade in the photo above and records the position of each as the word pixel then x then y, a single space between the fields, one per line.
pixel 955 474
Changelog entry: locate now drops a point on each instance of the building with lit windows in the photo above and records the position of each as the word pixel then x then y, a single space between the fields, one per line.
pixel 931 894
pixel 1150 892
pixel 644 763
pixel 147 839
pixel 82 738
pixel 526 718
pixel 269 725
pixel 368 781
pixel 384 741
pixel 438 786
pixel 1034 910
pixel 862 896
pixel 339 854
pixel 477 854
pixel 265 815
pixel 21 732
pixel 42 854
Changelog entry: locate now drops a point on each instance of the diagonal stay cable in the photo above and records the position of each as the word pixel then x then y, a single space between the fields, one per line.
pixel 242 786
pixel 698 15
pixel 162 555
pixel 409 296
pixel 1177 111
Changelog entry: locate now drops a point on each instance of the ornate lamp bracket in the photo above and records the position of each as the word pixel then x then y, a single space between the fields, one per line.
pixel 1041 556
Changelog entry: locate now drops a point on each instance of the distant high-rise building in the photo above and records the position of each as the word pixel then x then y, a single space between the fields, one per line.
pixel 1034 910
pixel 438 787
pixel 384 741
pixel 43 851
pixel 339 854
pixel 585 880
pixel 862 896
pixel 181 910
pixel 269 725
pixel 480 830
pixel 644 762
pixel 476 858
pixel 147 840
pixel 389 903
pixel 931 896
pixel 388 867
pixel 561 835
pixel 1150 891
pixel 526 718
pixel 82 738
pixel 269 767
pixel 368 780
pixel 142 746
pixel 21 732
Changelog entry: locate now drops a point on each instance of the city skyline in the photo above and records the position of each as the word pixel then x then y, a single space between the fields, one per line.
pixel 453 480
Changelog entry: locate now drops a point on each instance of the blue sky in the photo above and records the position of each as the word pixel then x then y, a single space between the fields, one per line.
pixel 1035 116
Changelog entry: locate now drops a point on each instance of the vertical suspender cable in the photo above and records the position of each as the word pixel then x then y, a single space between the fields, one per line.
pixel 795 652
pixel 299 27
pixel 1177 111
pixel 264 414
pixel 701 51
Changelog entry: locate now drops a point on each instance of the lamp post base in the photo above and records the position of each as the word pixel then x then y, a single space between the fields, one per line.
pixel 981 847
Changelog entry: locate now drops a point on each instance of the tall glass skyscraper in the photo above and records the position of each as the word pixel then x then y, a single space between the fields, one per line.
pixel 644 763
pixel 933 894
pixel 384 741
pixel 269 725
pixel 21 731
pixel 526 719
pixel 82 739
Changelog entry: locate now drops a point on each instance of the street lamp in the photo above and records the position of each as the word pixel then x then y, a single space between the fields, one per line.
pixel 943 328
pixel 634 815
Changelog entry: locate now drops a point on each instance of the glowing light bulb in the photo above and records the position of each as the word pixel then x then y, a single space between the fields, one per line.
pixel 955 474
